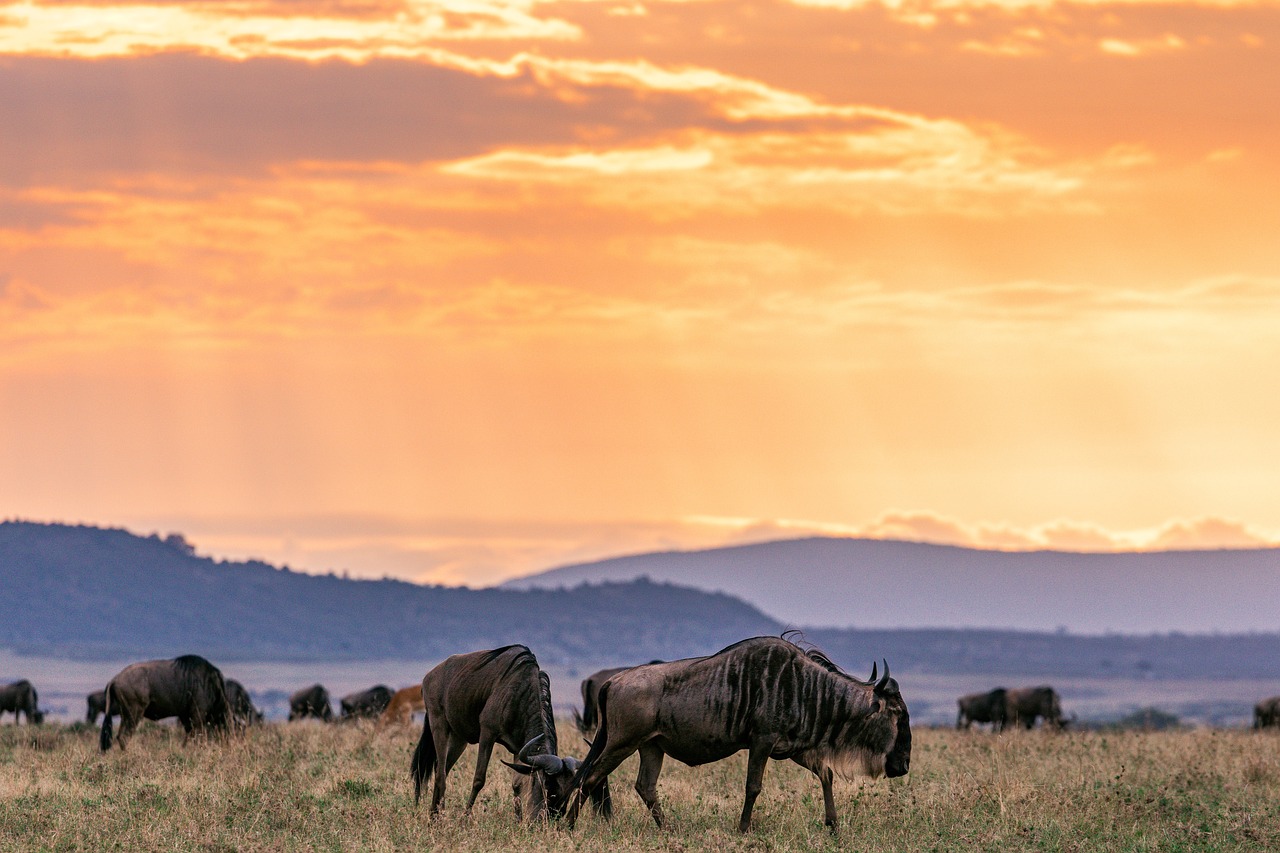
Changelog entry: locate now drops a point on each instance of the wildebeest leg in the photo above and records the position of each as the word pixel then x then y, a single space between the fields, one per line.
pixel 825 775
pixel 128 723
pixel 758 758
pixel 829 799
pixel 482 767
pixel 596 775
pixel 602 800
pixel 651 756
pixel 447 752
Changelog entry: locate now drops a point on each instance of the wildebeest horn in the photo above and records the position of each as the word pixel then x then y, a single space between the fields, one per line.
pixel 872 679
pixel 571 764
pixel 551 764
pixel 884 679
pixel 523 754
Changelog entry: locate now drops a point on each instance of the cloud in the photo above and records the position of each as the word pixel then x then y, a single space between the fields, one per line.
pixel 1201 533
pixel 481 552
pixel 906 168
pixel 320 31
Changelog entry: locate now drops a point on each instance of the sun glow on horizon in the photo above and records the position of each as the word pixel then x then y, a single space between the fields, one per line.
pixel 726 267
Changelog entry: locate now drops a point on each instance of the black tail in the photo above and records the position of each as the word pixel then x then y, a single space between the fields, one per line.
pixel 104 740
pixel 424 760
pixel 597 745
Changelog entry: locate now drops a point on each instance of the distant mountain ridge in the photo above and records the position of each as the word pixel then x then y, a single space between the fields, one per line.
pixel 883 584
pixel 94 593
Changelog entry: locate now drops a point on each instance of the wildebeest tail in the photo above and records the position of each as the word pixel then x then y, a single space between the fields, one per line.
pixel 104 739
pixel 602 737
pixel 424 759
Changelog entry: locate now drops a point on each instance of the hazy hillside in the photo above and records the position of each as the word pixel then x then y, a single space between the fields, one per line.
pixel 87 591
pixel 880 584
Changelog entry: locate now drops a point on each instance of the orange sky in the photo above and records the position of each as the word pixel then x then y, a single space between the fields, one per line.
pixel 458 291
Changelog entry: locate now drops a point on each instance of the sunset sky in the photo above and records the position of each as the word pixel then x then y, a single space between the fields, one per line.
pixel 458 291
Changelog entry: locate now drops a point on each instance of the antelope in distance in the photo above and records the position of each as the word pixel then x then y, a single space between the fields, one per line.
pixel 310 701
pixel 20 697
pixel 187 687
pixel 990 707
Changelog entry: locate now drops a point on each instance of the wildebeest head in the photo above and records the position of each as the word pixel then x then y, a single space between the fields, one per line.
pixel 898 759
pixel 548 779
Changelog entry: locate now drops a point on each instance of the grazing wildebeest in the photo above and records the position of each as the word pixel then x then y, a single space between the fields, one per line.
pixel 365 703
pixel 590 718
pixel 242 710
pixel 1267 713
pixel 310 701
pixel 187 687
pixel 990 707
pixel 20 698
pixel 403 704
pixel 1024 705
pixel 492 697
pixel 95 704
pixel 766 695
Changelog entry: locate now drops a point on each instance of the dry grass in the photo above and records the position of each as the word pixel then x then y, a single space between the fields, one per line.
pixel 312 787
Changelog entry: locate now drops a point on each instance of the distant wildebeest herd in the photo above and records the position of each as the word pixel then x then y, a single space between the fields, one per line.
pixel 1021 706
pixel 774 697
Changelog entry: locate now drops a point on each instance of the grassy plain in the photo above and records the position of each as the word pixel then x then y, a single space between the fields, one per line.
pixel 312 787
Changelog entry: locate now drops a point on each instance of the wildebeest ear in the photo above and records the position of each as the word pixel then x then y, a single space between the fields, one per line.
pixel 523 769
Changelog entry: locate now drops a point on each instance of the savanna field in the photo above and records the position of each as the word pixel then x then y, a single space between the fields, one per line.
pixel 346 787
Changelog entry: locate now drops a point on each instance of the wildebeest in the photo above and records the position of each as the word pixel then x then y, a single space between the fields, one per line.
pixel 310 701
pixel 990 707
pixel 403 704
pixel 95 704
pixel 20 698
pixel 365 703
pixel 492 697
pixel 589 718
pixel 1024 705
pixel 766 695
pixel 1267 713
pixel 187 687
pixel 242 710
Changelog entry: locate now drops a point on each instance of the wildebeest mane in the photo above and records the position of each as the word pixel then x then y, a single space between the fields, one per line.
pixel 548 715
pixel 796 637
pixel 521 658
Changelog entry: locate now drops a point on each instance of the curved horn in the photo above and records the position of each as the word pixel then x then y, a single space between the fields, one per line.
pixel 523 754
pixel 549 764
pixel 884 679
pixel 571 764
pixel 872 679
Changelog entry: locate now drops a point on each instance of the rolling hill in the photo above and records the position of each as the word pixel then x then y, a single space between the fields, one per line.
pixel 82 591
pixel 875 584
pixel 90 593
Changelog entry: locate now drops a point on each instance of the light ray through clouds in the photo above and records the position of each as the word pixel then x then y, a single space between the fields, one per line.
pixel 710 263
